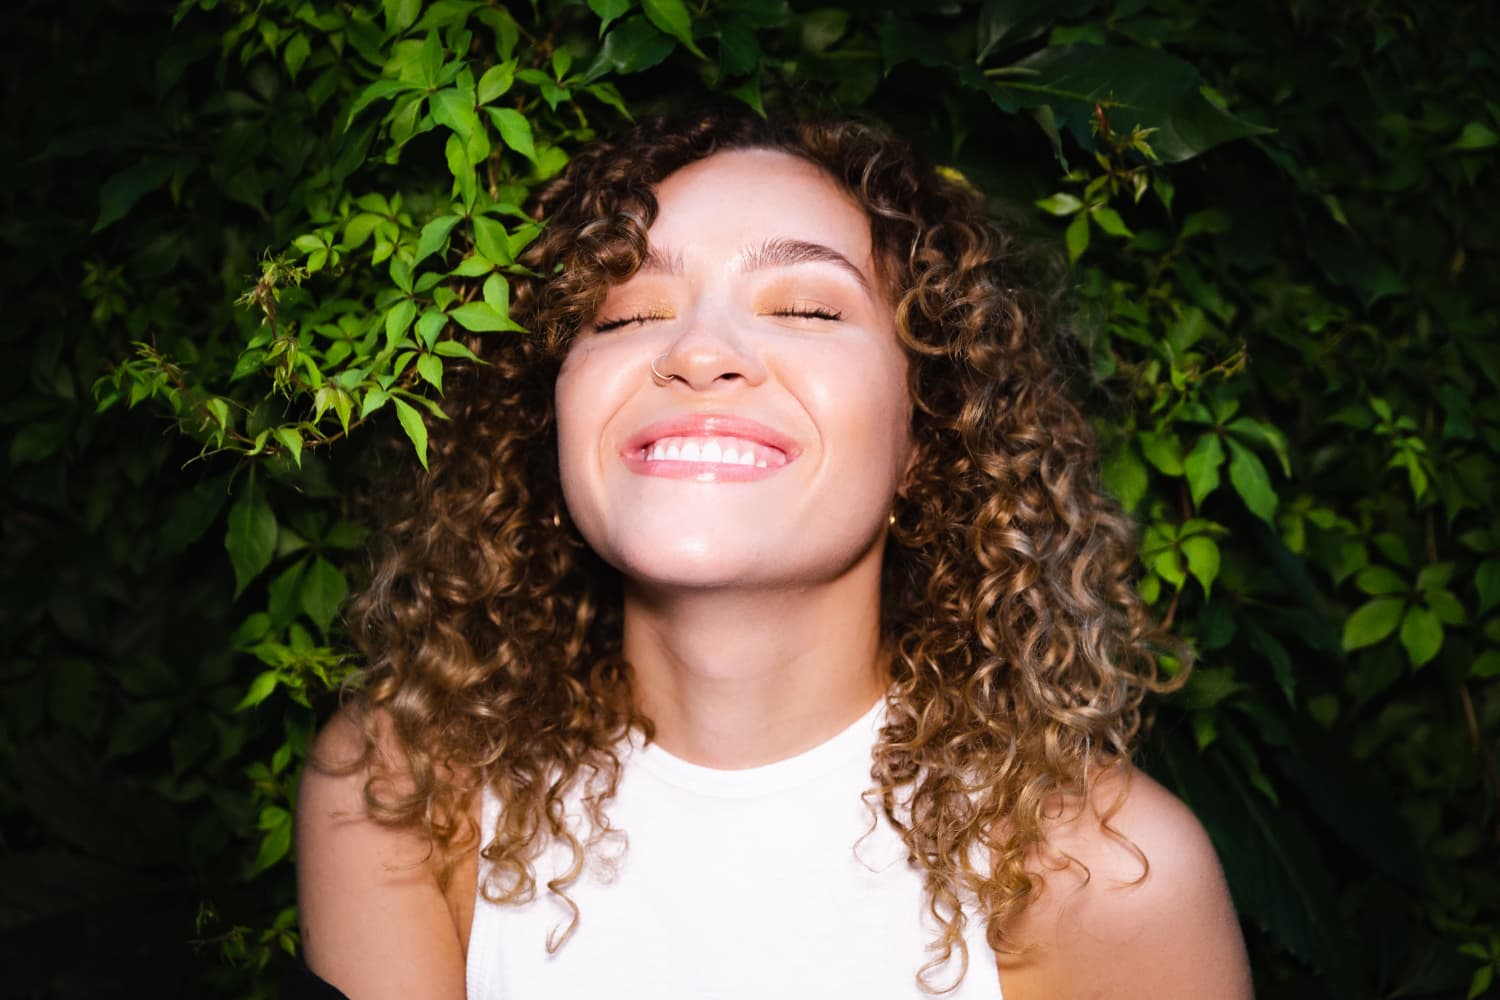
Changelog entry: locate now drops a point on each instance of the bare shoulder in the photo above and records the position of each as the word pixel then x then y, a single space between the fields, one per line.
pixel 375 921
pixel 1136 908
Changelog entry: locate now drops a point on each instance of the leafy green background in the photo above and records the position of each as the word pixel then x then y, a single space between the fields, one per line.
pixel 244 240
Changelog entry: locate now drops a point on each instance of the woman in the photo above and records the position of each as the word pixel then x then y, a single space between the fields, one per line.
pixel 761 627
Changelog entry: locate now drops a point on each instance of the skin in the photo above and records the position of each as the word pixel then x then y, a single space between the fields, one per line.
pixel 711 565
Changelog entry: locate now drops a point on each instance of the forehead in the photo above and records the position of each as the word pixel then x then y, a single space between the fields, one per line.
pixel 748 195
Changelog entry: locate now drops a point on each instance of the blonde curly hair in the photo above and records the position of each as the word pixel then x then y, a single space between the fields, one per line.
pixel 1020 652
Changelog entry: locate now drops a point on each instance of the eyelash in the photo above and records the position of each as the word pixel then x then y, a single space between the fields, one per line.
pixel 804 312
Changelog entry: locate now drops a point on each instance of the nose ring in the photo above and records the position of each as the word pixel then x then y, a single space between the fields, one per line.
pixel 658 374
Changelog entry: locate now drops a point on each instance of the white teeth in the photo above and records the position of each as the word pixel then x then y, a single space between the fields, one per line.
pixel 713 451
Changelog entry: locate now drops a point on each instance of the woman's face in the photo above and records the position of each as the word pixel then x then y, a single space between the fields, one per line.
pixel 771 449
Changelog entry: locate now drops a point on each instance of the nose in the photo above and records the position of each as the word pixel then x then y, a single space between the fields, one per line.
pixel 709 353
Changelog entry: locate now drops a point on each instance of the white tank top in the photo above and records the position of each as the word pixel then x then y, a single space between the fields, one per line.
pixel 755 884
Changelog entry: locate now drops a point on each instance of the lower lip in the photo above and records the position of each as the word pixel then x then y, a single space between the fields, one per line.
pixel 702 472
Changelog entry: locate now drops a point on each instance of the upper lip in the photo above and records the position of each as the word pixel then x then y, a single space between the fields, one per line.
pixel 711 425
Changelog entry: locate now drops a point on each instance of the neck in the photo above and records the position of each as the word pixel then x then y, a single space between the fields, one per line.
pixel 736 678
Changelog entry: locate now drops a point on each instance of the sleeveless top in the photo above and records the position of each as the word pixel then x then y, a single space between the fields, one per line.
pixel 768 883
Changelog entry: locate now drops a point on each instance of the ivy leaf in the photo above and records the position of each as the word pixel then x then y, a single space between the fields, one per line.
pixel 1162 449
pixel 434 235
pixel 1380 580
pixel 497 80
pixel 1011 21
pixel 323 590
pixel 430 368
pixel 251 538
pixel 397 320
pixel 608 11
pixel 260 689
pixel 634 45
pixel 491 240
pixel 1124 476
pixel 455 109
pixel 481 317
pixel 1251 481
pixel 1135 86
pixel 1202 467
pixel 1372 622
pixel 415 428
pixel 1487 580
pixel 120 193
pixel 1421 635
pixel 291 440
pixel 1060 203
pixel 515 130
pixel 672 17
pixel 1202 555
pixel 1077 236
pixel 1109 220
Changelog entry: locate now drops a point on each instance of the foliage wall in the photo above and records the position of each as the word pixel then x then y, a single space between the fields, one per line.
pixel 244 242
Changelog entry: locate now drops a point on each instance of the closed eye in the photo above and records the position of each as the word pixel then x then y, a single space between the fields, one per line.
pixel 808 312
pixel 606 325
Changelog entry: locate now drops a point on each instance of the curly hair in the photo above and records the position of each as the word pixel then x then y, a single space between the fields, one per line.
pixel 1020 652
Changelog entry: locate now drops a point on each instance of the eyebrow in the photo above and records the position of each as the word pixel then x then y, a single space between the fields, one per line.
pixel 771 253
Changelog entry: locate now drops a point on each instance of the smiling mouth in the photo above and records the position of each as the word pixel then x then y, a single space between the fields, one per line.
pixel 718 450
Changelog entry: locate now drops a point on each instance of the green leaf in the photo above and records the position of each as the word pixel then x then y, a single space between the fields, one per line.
pixel 1060 203
pixel 1476 135
pixel 275 846
pixel 120 193
pixel 481 317
pixel 430 326
pixel 397 319
pixel 298 48
pixel 1252 482
pixel 251 538
pixel 455 109
pixel 260 689
pixel 1109 220
pixel 1162 449
pixel 323 590
pixel 453 349
pixel 291 440
pixel 1380 580
pixel 1372 622
pixel 497 294
pixel 1077 236
pixel 1202 555
pixel 1135 86
pixel 1007 22
pixel 415 428
pixel 608 11
pixel 515 130
pixel 672 17
pixel 434 235
pixel 497 80
pixel 1487 581
pixel 632 46
pixel 400 15
pixel 1202 467
pixel 1125 477
pixel 430 368
pixel 491 240
pixel 1421 635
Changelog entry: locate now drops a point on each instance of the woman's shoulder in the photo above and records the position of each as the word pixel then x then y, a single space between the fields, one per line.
pixel 376 919
pixel 1133 903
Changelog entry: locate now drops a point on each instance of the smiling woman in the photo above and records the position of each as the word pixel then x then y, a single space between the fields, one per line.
pixel 761 628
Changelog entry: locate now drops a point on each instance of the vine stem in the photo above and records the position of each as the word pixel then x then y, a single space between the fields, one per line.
pixel 1486 759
